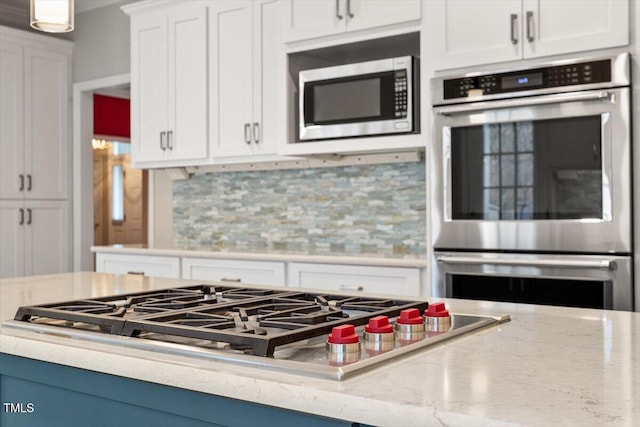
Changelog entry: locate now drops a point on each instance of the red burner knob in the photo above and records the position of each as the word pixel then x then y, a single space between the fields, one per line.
pixel 378 335
pixel 343 334
pixel 409 326
pixel 437 309
pixel 437 317
pixel 410 316
pixel 343 345
pixel 379 325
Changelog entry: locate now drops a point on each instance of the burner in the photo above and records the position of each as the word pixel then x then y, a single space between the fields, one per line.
pixel 246 318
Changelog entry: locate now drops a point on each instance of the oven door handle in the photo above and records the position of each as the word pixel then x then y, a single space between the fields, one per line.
pixel 603 264
pixel 526 102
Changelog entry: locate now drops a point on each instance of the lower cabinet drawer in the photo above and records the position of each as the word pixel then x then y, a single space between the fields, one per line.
pixel 348 278
pixel 234 271
pixel 153 266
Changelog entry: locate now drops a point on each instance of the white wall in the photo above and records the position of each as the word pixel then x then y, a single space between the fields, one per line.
pixel 101 47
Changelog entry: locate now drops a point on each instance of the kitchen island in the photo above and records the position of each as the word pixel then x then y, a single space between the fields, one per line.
pixel 548 366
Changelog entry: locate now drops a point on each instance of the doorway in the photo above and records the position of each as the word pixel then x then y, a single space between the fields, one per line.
pixel 83 222
pixel 119 195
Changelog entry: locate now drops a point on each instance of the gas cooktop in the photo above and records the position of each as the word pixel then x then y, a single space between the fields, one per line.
pixel 298 331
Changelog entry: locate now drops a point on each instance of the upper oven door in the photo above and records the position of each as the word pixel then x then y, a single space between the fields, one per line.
pixel 360 99
pixel 544 173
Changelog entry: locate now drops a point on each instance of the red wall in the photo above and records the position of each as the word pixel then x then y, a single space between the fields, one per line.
pixel 111 116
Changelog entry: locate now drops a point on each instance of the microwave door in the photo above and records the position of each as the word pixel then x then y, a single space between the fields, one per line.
pixel 534 174
pixel 351 106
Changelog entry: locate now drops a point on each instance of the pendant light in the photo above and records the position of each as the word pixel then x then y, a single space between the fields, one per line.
pixel 52 16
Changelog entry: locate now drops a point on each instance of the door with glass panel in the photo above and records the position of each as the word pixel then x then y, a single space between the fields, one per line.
pixel 549 175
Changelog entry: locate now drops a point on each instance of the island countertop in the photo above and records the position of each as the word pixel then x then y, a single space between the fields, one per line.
pixel 548 366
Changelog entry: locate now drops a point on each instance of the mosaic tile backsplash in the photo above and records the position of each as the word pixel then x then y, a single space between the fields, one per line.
pixel 351 210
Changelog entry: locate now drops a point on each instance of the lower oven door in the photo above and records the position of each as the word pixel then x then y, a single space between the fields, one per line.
pixel 587 281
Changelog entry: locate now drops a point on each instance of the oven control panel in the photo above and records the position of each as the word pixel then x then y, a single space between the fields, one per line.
pixel 537 78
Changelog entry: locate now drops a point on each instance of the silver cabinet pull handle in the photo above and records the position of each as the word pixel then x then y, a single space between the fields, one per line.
pixel 230 279
pixel 162 143
pixel 247 133
pixel 21 182
pixel 136 273
pixel 514 34
pixel 338 10
pixel 21 222
pixel 349 14
pixel 256 133
pixel 28 216
pixel 170 140
pixel 530 29
pixel 358 288
pixel 29 182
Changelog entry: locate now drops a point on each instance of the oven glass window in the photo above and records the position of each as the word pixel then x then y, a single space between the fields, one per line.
pixel 544 169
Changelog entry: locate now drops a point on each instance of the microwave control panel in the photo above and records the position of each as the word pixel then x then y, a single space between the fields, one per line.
pixel 539 78
pixel 400 77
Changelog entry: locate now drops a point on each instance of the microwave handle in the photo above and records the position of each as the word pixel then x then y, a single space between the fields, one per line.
pixel 527 102
pixel 603 264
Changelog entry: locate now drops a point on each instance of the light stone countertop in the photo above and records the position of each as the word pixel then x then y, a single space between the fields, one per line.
pixel 268 254
pixel 548 366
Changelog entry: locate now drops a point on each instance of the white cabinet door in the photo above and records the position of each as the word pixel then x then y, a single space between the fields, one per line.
pixel 169 86
pixel 149 87
pixel 11 121
pixel 558 26
pixel 147 265
pixel 231 66
pixel 47 133
pixel 362 14
pixel 234 271
pixel 306 19
pixel 46 237
pixel 268 69
pixel 355 279
pixel 246 68
pixel 11 238
pixel 187 137
pixel 513 30
pixel 35 237
pixel 34 128
pixel 471 32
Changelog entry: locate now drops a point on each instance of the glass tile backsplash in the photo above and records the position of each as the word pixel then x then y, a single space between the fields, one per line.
pixel 352 210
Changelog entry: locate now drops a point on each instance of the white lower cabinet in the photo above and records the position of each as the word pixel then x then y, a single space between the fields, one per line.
pixel 33 237
pixel 234 271
pixel 352 278
pixel 147 265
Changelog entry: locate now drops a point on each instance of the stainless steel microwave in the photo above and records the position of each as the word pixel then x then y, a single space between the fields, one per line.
pixel 361 99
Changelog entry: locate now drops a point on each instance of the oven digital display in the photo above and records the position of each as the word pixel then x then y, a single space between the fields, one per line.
pixel 521 80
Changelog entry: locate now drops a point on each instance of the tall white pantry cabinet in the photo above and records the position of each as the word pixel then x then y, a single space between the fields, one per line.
pixel 34 153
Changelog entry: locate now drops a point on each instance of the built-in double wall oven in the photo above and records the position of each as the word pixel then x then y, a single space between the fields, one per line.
pixel 531 183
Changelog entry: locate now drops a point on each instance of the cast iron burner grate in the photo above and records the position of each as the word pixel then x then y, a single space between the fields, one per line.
pixel 258 320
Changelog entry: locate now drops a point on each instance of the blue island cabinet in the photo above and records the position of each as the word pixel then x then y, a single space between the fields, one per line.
pixel 36 393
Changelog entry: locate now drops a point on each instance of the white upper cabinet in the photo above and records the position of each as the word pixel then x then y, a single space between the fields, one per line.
pixel 469 32
pixel 34 125
pixel 561 26
pixel 246 68
pixel 169 85
pixel 307 19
